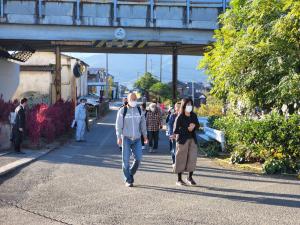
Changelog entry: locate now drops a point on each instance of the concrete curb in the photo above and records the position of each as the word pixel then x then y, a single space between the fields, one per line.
pixel 24 161
pixel 5 153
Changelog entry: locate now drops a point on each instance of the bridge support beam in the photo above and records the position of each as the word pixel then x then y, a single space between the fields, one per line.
pixel 174 74
pixel 57 80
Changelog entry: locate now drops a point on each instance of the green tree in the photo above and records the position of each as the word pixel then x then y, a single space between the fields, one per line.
pixel 161 90
pixel 145 82
pixel 256 55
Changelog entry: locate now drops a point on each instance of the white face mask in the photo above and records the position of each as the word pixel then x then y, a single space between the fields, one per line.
pixel 83 103
pixel 132 103
pixel 172 111
pixel 189 108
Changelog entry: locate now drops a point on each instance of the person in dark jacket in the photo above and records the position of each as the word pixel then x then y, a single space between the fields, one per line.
pixel 170 126
pixel 185 128
pixel 170 113
pixel 19 126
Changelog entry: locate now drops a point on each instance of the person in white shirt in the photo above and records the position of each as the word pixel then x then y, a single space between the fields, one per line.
pixel 80 119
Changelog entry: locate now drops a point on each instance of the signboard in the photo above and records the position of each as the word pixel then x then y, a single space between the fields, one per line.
pixel 120 33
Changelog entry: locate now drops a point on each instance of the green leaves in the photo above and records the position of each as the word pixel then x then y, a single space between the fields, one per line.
pixel 256 56
pixel 145 82
pixel 273 139
pixel 162 90
pixel 148 83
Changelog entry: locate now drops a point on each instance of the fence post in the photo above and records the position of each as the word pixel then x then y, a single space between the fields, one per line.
pixel 78 10
pixel 1 8
pixel 224 5
pixel 115 10
pixel 151 11
pixel 40 8
pixel 188 6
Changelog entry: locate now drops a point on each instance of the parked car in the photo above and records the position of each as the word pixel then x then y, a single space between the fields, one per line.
pixel 92 100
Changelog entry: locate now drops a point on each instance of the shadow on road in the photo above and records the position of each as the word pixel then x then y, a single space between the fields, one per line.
pixel 260 199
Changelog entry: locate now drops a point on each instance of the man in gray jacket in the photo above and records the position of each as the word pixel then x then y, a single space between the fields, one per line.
pixel 130 125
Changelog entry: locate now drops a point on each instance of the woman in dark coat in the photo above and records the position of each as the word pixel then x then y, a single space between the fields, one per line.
pixel 185 128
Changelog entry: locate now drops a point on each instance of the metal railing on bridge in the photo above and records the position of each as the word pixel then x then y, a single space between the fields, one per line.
pixel 152 3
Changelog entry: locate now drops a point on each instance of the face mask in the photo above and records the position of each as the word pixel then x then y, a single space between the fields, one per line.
pixel 126 103
pixel 188 108
pixel 172 110
pixel 132 103
pixel 83 103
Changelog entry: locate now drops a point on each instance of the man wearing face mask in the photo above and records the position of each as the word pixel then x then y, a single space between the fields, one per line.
pixel 154 123
pixel 130 125
pixel 81 118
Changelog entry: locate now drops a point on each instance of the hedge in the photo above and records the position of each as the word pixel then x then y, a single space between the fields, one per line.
pixel 273 140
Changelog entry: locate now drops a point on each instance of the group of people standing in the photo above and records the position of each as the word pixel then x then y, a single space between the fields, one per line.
pixel 136 126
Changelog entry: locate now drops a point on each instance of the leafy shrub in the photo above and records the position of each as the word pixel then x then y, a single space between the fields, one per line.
pixel 211 148
pixel 273 137
pixel 211 120
pixel 49 122
pixel 213 107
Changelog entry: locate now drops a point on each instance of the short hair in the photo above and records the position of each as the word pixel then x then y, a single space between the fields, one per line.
pixel 23 100
pixel 184 102
pixel 131 94
pixel 152 105
pixel 83 99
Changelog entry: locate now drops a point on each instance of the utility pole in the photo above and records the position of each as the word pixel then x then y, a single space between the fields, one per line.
pixel 57 80
pixel 106 77
pixel 160 71
pixel 174 74
pixel 146 64
pixel 193 92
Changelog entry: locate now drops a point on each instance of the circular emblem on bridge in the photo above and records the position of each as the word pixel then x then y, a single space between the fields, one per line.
pixel 120 33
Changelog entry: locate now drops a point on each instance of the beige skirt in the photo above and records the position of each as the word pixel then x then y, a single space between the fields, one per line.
pixel 186 156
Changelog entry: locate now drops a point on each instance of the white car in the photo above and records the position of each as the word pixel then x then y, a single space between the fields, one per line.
pixel 91 100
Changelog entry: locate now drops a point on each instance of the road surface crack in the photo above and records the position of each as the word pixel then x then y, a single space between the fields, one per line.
pixel 32 212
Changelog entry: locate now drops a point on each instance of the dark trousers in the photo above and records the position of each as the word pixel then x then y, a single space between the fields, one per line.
pixel 153 139
pixel 17 140
pixel 142 140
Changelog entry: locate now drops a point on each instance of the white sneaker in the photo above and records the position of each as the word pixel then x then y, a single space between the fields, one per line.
pixel 128 184
pixel 143 147
pixel 150 150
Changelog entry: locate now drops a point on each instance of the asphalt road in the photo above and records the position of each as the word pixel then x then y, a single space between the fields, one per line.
pixel 81 183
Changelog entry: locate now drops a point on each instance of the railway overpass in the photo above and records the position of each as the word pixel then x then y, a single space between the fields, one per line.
pixel 181 27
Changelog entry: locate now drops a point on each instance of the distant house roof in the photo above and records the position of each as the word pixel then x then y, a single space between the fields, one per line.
pixel 94 71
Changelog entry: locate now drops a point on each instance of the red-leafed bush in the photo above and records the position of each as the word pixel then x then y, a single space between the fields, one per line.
pixel 6 108
pixel 49 122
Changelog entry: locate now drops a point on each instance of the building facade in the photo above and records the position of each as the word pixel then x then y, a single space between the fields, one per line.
pixel 37 75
